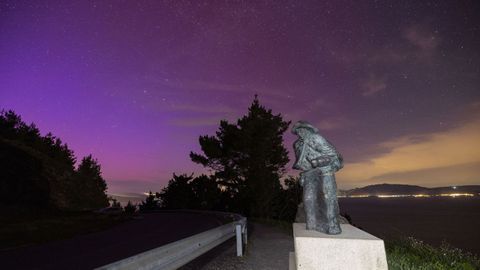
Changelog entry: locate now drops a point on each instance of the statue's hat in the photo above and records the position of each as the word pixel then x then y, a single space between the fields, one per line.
pixel 303 124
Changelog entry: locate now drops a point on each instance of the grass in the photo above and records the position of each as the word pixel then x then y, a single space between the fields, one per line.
pixel 410 253
pixel 28 227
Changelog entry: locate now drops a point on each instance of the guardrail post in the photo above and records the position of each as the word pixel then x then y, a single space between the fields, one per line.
pixel 238 233
pixel 245 235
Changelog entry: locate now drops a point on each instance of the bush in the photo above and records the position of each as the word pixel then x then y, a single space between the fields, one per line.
pixel 114 202
pixel 150 203
pixel 410 253
pixel 130 208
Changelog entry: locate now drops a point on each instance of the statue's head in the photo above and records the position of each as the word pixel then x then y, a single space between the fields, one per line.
pixel 303 128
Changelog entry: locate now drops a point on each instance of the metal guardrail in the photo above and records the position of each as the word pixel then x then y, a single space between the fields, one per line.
pixel 179 253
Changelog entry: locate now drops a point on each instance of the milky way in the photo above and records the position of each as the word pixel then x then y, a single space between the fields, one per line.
pixel 393 84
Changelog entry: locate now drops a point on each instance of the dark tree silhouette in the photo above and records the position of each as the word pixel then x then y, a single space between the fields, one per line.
pixel 207 193
pixel 290 199
pixel 248 159
pixel 178 194
pixel 186 192
pixel 130 208
pixel 114 203
pixel 149 204
pixel 90 184
pixel 22 177
pixel 39 171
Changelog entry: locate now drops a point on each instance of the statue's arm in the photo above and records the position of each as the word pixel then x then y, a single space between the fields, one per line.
pixel 327 154
pixel 321 161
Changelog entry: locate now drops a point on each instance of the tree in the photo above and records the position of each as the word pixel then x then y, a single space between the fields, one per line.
pixel 248 159
pixel 90 185
pixel 114 202
pixel 207 193
pixel 40 168
pixel 22 177
pixel 290 199
pixel 149 204
pixel 186 192
pixel 130 208
pixel 178 194
pixel 39 171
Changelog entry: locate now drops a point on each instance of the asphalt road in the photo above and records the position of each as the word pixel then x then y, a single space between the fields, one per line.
pixel 101 248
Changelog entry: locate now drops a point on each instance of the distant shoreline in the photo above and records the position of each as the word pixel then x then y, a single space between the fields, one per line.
pixel 401 190
pixel 453 195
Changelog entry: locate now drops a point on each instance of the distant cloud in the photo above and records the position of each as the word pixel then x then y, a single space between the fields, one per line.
pixel 423 38
pixel 373 85
pixel 449 175
pixel 454 152
pixel 423 43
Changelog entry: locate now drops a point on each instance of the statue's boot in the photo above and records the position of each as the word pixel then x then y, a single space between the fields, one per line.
pixel 323 228
pixel 334 229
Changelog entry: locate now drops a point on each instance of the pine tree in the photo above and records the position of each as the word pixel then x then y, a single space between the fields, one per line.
pixel 178 194
pixel 90 184
pixel 248 159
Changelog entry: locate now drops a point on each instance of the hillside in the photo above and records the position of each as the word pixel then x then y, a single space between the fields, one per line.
pixel 399 189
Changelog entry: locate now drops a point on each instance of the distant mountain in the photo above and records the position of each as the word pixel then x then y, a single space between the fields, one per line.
pixel 398 189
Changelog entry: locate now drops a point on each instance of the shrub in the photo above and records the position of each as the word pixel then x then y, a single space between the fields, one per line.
pixel 130 208
pixel 410 253
pixel 150 203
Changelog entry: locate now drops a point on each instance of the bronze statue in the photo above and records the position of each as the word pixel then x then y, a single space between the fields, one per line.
pixel 319 160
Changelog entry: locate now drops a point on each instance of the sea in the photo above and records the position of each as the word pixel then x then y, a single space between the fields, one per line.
pixel 455 220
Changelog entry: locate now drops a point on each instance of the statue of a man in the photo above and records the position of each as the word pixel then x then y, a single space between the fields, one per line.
pixel 319 160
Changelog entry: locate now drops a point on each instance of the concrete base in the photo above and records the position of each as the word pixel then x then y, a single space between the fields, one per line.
pixel 353 249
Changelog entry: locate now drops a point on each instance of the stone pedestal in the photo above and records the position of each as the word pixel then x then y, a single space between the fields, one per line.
pixel 353 249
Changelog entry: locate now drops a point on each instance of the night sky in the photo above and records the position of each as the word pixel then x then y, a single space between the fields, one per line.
pixel 395 85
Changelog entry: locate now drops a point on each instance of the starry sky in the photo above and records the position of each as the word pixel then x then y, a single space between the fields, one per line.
pixel 395 85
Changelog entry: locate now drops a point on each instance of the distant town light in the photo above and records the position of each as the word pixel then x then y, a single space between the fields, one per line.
pixel 411 195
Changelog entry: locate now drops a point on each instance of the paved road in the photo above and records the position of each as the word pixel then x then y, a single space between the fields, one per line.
pixel 100 248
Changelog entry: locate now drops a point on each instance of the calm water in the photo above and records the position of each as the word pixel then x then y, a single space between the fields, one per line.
pixel 455 220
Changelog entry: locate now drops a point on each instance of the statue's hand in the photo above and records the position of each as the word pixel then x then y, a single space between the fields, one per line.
pixel 320 162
